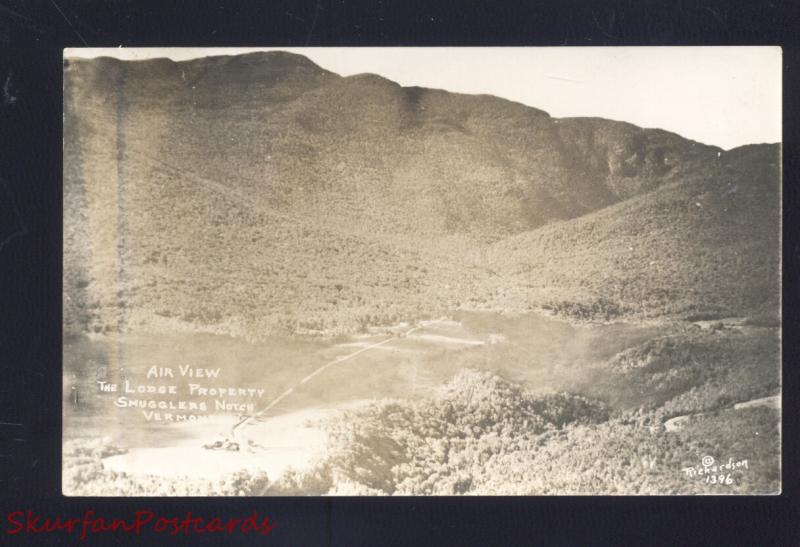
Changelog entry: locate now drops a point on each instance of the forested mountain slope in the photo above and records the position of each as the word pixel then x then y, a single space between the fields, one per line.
pixel 260 193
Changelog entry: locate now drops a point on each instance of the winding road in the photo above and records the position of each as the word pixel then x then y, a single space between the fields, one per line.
pixel 305 380
pixel 677 423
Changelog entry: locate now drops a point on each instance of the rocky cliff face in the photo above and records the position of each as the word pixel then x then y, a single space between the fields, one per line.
pixel 262 192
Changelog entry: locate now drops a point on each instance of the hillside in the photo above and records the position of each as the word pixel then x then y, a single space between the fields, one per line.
pixel 261 194
pixel 706 246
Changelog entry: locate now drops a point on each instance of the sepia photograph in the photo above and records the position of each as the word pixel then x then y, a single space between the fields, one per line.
pixel 407 271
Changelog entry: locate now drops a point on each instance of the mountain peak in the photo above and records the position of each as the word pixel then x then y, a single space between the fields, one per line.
pixel 274 59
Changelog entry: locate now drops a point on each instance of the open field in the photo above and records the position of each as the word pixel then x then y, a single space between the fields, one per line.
pixel 546 383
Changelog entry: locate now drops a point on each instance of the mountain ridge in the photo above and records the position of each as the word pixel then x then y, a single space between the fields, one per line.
pixel 410 170
pixel 305 61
